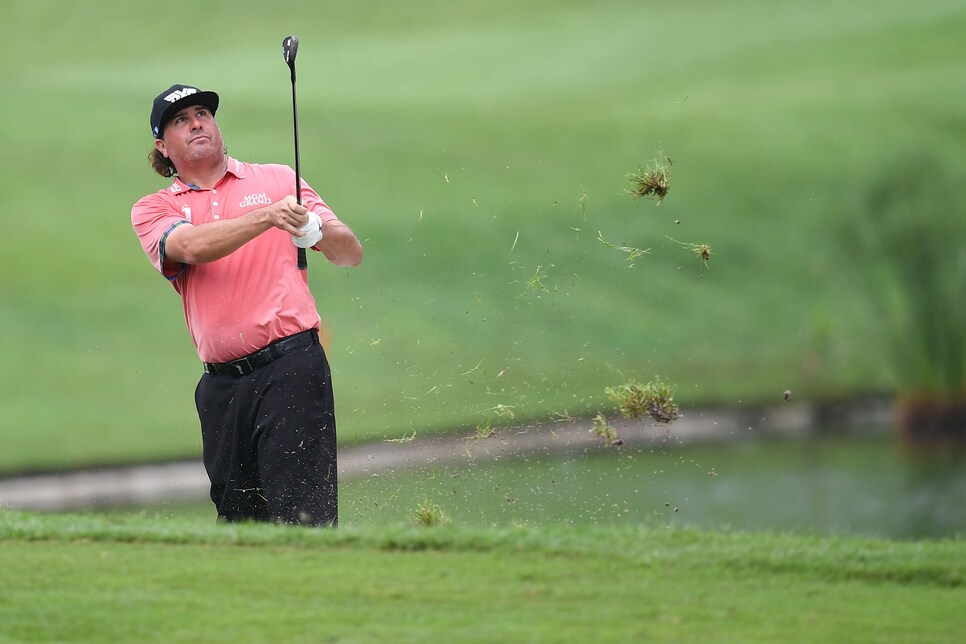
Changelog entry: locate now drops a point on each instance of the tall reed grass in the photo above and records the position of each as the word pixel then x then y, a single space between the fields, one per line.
pixel 909 238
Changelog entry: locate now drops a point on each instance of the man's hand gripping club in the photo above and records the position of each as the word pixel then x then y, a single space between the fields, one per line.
pixel 304 226
pixel 214 240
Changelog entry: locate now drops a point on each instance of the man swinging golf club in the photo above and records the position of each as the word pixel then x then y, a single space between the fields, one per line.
pixel 225 233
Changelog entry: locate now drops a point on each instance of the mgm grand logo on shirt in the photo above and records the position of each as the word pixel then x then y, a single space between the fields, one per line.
pixel 261 199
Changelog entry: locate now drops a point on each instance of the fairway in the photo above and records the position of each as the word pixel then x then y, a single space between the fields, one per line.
pixel 480 150
pixel 134 580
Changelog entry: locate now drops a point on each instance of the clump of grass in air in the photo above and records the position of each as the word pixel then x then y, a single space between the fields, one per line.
pixel 404 439
pixel 428 514
pixel 563 417
pixel 503 411
pixel 483 431
pixel 656 399
pixel 651 182
pixel 703 251
pixel 632 253
pixel 535 283
pixel 604 430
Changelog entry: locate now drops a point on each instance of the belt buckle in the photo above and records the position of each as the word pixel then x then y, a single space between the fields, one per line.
pixel 241 364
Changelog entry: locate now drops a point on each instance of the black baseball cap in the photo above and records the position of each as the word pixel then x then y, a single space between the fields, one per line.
pixel 176 98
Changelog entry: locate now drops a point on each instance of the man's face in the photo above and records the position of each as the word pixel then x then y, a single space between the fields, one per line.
pixel 191 136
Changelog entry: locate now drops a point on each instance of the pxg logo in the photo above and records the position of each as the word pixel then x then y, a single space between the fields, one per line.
pixel 180 93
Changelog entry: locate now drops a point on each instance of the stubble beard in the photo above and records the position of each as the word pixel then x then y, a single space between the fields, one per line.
pixel 210 154
pixel 197 157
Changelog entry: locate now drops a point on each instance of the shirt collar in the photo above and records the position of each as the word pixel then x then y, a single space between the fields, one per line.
pixel 235 168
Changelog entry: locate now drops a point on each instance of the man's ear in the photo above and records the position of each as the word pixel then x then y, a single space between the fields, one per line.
pixel 159 144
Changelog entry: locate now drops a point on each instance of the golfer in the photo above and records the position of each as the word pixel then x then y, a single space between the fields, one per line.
pixel 225 234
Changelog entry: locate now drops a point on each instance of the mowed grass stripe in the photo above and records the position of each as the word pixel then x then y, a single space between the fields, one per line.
pixel 84 579
pixel 937 562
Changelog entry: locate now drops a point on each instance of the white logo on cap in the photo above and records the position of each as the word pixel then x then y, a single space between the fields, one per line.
pixel 180 93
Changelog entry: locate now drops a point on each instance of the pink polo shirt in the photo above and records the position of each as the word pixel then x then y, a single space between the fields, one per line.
pixel 252 297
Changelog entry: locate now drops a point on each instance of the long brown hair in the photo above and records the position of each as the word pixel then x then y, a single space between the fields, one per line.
pixel 161 164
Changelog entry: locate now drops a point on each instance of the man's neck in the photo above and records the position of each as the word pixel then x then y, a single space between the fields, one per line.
pixel 205 177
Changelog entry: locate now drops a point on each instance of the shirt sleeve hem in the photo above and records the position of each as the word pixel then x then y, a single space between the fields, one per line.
pixel 170 274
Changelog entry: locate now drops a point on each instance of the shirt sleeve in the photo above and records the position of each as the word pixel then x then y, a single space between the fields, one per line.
pixel 312 201
pixel 153 219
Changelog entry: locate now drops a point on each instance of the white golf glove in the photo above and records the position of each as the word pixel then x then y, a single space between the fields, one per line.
pixel 312 230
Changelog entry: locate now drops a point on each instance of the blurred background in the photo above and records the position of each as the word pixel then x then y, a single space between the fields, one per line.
pixel 481 151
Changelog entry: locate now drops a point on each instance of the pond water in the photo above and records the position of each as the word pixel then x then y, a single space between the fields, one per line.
pixel 832 485
pixel 859 486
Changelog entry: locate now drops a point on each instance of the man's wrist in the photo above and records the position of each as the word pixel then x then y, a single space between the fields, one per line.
pixel 312 230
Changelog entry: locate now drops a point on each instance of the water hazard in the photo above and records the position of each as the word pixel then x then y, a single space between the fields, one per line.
pixel 858 486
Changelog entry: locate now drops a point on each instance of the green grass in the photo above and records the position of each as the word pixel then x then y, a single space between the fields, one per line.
pixel 448 134
pixel 88 578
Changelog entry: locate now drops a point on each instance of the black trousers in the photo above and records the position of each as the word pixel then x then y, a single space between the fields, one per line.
pixel 269 441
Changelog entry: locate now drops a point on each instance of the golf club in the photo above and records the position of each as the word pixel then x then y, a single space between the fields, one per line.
pixel 290 47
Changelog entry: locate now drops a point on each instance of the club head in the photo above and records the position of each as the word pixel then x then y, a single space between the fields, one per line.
pixel 290 47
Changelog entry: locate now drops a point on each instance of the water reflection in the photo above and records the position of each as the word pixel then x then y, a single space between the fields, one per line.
pixel 935 496
pixel 826 485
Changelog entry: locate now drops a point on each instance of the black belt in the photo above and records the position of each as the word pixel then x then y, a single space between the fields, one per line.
pixel 253 361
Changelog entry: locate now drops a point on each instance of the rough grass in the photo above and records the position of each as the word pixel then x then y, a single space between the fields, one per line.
pixel 67 577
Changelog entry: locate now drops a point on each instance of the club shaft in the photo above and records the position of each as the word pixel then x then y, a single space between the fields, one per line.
pixel 298 164
pixel 302 260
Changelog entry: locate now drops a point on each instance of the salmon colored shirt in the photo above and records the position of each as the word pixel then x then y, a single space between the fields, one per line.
pixel 251 297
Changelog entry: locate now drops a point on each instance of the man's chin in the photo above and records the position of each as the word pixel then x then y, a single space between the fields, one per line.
pixel 205 154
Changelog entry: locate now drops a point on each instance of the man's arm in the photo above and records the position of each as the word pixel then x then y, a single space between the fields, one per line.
pixel 214 240
pixel 339 244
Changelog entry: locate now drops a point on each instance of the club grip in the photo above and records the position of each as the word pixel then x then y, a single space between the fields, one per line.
pixel 303 264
